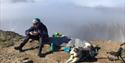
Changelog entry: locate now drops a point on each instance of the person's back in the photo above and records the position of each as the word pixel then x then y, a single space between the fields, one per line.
pixel 43 31
pixel 42 28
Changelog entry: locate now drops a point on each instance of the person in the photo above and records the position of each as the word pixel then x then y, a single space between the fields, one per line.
pixel 37 31
pixel 75 55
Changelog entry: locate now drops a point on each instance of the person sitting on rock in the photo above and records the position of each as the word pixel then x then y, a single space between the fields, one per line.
pixel 37 31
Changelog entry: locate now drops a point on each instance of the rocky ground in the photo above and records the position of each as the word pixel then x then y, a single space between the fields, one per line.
pixel 9 55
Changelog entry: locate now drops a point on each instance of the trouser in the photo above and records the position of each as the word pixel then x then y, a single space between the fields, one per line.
pixel 41 39
pixel 27 39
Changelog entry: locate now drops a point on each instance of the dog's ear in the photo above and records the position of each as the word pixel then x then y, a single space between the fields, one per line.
pixel 76 49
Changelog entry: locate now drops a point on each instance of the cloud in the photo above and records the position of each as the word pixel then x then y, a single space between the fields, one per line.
pixel 90 3
pixel 85 3
pixel 15 1
pixel 78 18
pixel 95 3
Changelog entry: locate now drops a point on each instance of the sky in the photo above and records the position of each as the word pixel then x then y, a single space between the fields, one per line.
pixel 84 19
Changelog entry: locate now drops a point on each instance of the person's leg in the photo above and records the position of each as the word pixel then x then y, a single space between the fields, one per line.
pixel 43 39
pixel 34 38
pixel 40 47
pixel 23 43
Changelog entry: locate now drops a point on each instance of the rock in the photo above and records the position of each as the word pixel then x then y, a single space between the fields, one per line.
pixel 8 38
pixel 112 58
pixel 10 55
pixel 27 60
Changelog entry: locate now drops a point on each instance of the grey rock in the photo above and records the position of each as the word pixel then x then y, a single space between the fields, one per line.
pixel 27 60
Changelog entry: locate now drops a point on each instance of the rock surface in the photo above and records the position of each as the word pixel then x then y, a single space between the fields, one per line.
pixel 10 55
pixel 8 38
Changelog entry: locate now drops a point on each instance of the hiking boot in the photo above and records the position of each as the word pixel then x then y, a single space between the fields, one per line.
pixel 18 48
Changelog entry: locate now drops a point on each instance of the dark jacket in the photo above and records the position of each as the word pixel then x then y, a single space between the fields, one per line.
pixel 41 29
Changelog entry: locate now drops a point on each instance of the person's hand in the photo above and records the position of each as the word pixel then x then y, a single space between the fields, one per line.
pixel 33 33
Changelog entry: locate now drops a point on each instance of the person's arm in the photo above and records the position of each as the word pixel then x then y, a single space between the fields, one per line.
pixel 28 31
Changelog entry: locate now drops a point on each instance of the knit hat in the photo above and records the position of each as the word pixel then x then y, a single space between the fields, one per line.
pixel 36 20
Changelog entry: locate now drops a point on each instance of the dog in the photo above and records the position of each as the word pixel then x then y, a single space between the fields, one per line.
pixel 75 55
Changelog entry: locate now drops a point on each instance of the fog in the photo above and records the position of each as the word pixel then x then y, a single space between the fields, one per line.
pixel 82 19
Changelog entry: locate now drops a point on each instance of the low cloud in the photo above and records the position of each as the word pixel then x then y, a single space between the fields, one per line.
pixel 82 21
pixel 16 1
pixel 96 3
